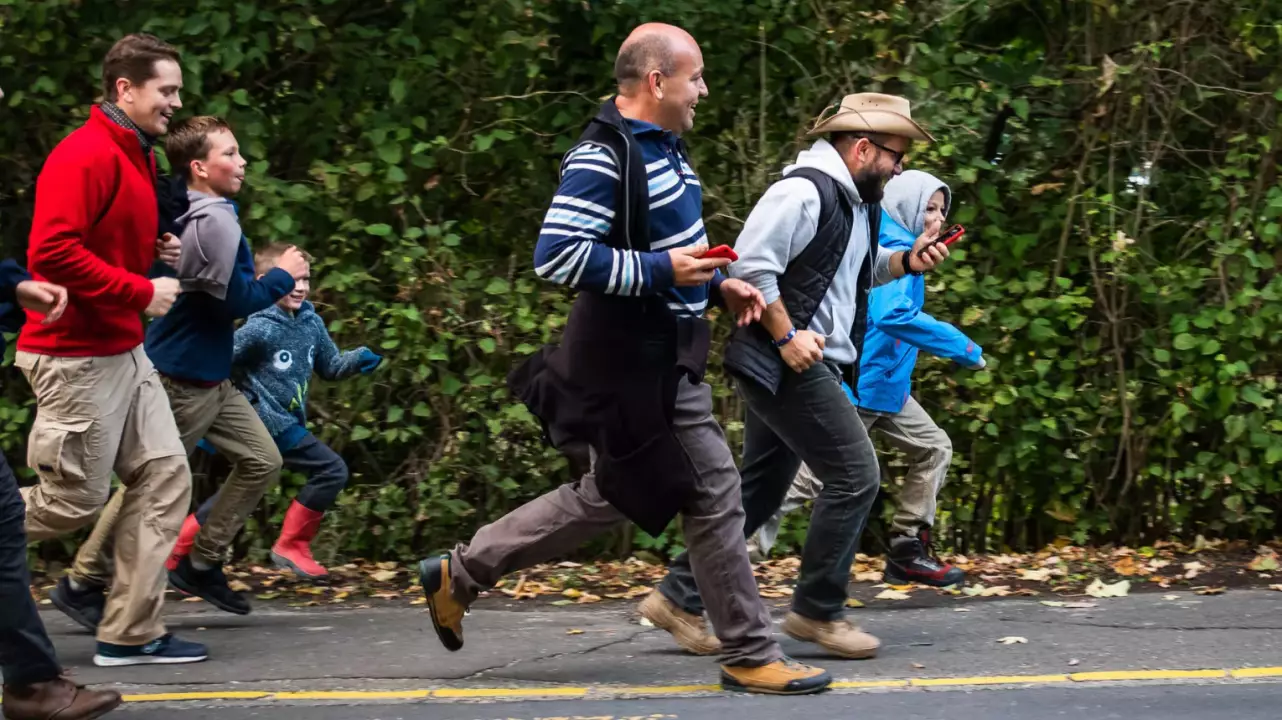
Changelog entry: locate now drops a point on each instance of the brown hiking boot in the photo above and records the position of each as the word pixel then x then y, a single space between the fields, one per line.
pixel 447 613
pixel 781 677
pixel 59 698
pixel 690 631
pixel 837 637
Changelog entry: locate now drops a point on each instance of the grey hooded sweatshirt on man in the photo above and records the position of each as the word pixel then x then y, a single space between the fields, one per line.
pixel 780 227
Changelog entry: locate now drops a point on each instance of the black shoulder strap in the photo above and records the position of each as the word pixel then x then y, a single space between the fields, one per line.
pixel 631 227
pixel 832 199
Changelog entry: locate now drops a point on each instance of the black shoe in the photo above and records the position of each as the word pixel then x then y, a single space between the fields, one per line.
pixel 912 559
pixel 83 606
pixel 209 585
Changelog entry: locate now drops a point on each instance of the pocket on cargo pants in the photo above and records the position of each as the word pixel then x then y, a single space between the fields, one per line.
pixel 69 458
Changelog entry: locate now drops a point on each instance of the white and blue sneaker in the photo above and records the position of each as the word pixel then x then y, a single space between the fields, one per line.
pixel 165 650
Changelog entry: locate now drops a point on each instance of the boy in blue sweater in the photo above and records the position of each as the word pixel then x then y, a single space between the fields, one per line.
pixel 276 353
pixel 898 327
pixel 192 348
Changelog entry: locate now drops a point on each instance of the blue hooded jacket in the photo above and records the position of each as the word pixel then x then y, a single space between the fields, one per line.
pixel 898 326
pixel 274 356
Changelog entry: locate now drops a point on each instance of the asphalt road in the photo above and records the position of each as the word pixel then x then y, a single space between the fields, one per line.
pixel 1255 701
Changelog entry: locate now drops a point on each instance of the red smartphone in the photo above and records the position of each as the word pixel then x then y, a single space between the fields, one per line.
pixel 948 237
pixel 951 235
pixel 720 251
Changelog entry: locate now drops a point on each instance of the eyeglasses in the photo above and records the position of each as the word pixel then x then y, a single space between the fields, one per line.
pixel 897 155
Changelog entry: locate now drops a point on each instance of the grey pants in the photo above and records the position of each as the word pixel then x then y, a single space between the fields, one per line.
pixel 809 419
pixel 929 453
pixel 563 519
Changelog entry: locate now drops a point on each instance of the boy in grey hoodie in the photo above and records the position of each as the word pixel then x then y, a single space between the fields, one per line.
pixel 191 348
pixel 276 352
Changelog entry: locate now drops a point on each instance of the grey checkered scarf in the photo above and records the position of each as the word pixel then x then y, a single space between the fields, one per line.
pixel 120 118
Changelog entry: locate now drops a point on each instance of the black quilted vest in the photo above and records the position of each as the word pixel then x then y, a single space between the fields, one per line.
pixel 751 353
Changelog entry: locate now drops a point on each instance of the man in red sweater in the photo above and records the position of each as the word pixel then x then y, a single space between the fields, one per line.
pixel 100 404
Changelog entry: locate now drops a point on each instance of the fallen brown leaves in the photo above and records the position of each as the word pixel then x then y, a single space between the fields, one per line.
pixel 1063 569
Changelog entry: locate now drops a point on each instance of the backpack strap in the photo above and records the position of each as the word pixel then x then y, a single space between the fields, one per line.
pixel 832 199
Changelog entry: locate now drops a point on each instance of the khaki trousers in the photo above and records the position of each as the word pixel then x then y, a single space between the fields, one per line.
pixel 223 416
pixel 95 415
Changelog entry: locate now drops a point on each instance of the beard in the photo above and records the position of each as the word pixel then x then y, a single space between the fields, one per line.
pixel 870 185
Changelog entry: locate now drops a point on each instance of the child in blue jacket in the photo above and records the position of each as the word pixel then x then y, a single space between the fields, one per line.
pixel 275 354
pixel 899 327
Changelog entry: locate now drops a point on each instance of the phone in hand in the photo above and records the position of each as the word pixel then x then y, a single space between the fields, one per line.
pixel 948 237
pixel 720 251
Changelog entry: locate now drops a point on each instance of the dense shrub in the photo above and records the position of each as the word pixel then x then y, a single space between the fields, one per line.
pixel 1115 161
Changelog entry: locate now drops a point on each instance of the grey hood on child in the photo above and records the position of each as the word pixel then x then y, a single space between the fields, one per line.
pixel 907 195
pixel 211 239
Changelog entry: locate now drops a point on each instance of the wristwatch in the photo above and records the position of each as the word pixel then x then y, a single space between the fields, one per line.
pixel 908 267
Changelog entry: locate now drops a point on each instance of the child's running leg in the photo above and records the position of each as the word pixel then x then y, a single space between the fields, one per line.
pixel 327 476
pixel 238 433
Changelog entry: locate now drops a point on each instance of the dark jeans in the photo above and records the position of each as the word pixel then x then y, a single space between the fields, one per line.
pixel 810 419
pixel 325 470
pixel 26 655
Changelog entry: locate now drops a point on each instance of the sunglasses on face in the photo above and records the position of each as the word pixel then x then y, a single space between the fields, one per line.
pixel 897 155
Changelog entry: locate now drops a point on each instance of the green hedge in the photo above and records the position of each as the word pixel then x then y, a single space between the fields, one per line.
pixel 1116 162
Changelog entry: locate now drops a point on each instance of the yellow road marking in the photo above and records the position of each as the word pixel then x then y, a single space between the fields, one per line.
pixel 214 695
pixel 353 695
pixel 855 684
pixel 989 680
pixel 1256 672
pixel 464 693
pixel 509 692
pixel 1147 675
pixel 659 689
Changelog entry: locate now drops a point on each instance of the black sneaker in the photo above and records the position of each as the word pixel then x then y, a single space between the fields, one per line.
pixel 165 650
pixel 209 585
pixel 83 606
pixel 912 559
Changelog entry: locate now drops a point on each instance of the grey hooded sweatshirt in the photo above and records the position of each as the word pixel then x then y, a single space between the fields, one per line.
pixel 783 223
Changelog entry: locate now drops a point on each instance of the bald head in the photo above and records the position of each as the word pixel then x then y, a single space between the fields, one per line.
pixel 660 76
pixel 651 47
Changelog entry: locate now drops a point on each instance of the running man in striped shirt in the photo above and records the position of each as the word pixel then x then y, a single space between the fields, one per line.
pixel 626 229
pixel 571 250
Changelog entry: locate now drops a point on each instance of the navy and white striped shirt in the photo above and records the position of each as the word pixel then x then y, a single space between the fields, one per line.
pixel 571 248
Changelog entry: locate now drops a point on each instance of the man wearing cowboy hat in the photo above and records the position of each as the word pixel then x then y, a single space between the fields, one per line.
pixel 810 246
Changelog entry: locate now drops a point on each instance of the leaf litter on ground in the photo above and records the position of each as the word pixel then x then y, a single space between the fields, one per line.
pixel 1060 568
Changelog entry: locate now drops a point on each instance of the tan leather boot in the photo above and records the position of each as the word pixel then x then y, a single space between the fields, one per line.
pixel 782 677
pixel 837 637
pixel 446 612
pixel 59 698
pixel 690 631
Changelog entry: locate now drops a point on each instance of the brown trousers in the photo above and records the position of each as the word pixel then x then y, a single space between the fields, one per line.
pixel 565 518
pixel 225 418
pixel 95 415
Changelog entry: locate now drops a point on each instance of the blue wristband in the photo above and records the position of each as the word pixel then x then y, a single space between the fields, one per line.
pixel 786 338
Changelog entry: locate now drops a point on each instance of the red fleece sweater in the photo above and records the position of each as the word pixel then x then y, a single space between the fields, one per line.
pixel 94 232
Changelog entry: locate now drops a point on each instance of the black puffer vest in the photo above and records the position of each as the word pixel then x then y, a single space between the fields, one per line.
pixel 751 353
pixel 612 381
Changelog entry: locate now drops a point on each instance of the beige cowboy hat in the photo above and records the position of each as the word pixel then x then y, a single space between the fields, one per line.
pixel 871 113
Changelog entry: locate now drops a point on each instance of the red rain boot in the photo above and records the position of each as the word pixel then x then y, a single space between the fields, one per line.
pixel 186 537
pixel 293 550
